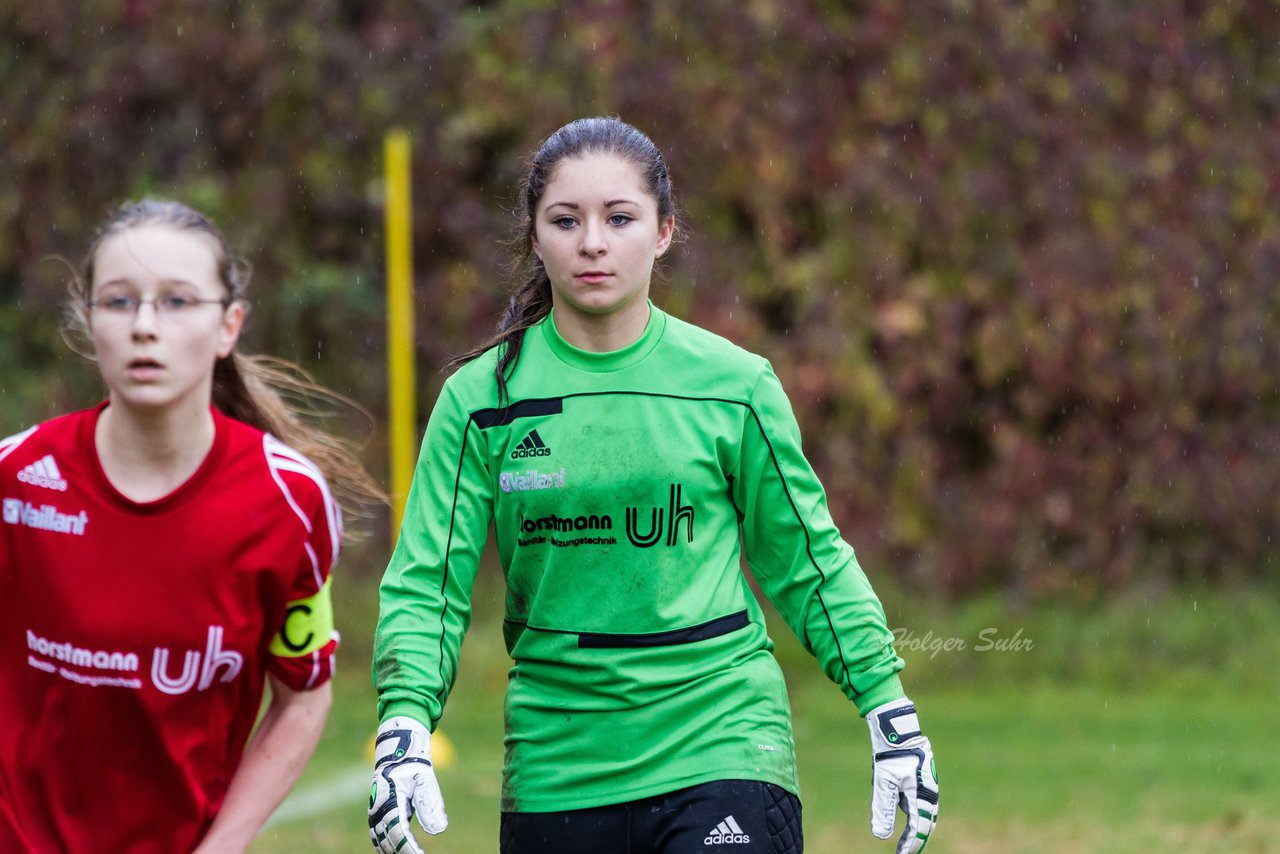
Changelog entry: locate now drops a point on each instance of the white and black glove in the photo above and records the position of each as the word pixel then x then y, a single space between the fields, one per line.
pixel 903 775
pixel 404 783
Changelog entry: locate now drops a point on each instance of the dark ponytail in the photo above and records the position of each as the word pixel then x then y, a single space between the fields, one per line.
pixel 530 299
pixel 528 303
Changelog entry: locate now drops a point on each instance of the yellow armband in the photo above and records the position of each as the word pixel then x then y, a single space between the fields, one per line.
pixel 308 625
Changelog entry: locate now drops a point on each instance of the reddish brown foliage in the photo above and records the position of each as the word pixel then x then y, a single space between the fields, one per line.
pixel 1015 263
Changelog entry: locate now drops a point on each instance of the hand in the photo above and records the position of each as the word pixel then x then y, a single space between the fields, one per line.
pixel 903 775
pixel 404 783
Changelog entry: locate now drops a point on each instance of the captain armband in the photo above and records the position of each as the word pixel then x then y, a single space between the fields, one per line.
pixel 308 625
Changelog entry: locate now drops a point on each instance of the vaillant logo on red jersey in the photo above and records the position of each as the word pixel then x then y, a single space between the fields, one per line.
pixel 46 517
pixel 44 472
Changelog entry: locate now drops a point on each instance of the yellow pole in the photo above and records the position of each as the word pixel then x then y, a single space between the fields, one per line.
pixel 402 429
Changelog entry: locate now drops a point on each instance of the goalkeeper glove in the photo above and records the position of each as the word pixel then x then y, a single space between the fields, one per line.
pixel 404 783
pixel 903 775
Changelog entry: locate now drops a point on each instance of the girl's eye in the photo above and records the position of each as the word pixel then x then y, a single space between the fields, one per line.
pixel 619 219
pixel 119 303
pixel 177 302
pixel 564 222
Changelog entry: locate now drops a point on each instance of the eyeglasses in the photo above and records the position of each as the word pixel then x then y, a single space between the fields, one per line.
pixel 166 305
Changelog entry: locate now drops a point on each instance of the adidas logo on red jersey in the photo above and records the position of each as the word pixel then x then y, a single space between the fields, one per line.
pixel 44 473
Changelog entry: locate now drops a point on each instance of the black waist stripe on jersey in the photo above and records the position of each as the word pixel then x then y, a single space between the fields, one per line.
pixel 703 631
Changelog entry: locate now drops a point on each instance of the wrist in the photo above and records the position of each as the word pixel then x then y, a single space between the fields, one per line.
pixel 407 709
pixel 885 691
pixel 399 739
pixel 893 724
pixel 403 722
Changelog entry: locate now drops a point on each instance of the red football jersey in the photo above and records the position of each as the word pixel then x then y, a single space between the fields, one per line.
pixel 135 639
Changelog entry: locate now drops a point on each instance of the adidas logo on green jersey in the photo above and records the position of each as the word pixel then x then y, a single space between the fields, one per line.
pixel 531 446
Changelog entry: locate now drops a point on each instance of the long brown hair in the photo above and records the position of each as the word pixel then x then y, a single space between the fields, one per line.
pixel 273 395
pixel 530 299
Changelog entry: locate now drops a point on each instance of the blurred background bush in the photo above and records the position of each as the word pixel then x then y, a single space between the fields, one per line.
pixel 1015 262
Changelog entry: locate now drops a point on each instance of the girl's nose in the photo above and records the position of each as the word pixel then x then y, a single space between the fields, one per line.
pixel 593 242
pixel 145 320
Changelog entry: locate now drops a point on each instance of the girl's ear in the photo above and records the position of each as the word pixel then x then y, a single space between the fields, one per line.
pixel 666 231
pixel 229 329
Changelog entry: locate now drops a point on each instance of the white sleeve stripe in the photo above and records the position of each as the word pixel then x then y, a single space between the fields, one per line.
pixel 282 458
pixel 277 452
pixel 315 565
pixel 319 665
pixel 276 468
pixel 10 444
pixel 288 496
pixel 315 670
pixel 280 449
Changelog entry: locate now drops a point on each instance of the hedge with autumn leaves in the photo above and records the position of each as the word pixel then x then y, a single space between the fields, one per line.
pixel 1015 262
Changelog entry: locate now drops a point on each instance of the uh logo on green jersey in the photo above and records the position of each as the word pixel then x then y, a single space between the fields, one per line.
pixel 662 525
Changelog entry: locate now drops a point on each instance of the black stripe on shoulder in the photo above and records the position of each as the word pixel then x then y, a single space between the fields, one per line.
pixel 486 418
pixel 710 629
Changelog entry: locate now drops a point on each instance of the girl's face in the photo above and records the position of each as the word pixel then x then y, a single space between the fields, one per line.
pixel 597 232
pixel 158 316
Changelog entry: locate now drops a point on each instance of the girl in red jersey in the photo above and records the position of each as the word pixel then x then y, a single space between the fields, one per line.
pixel 163 557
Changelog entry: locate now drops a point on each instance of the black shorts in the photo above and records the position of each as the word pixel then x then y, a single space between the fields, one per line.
pixel 725 816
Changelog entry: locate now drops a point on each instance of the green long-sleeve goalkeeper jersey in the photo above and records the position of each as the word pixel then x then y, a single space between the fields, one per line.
pixel 623 488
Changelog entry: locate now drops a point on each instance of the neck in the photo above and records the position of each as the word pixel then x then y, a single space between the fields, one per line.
pixel 604 333
pixel 147 453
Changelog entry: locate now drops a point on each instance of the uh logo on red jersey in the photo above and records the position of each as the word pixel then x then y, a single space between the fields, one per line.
pixel 198 672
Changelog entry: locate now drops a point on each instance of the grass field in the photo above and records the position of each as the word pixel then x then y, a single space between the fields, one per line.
pixel 1147 724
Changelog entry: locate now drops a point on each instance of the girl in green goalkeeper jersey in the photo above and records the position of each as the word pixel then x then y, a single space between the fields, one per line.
pixel 626 460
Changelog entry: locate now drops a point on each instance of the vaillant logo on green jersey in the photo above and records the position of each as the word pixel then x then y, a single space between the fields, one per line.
pixel 532 479
pixel 531 446
pixel 662 525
